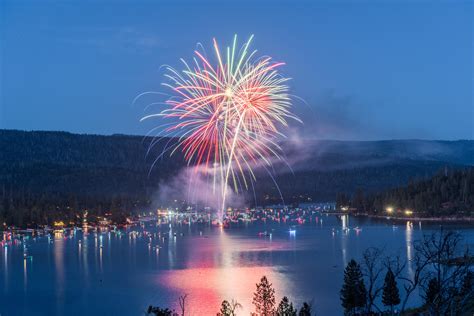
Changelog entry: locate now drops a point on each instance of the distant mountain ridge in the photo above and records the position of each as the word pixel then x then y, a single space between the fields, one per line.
pixel 65 147
pixel 61 164
pixel 456 152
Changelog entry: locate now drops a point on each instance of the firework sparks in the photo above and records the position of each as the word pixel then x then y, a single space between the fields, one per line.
pixel 228 113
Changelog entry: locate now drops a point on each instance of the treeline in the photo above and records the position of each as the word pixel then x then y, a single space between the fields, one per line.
pixel 31 210
pixel 323 185
pixel 50 176
pixel 46 176
pixel 449 192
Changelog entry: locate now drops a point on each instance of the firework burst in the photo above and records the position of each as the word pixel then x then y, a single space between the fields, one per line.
pixel 228 113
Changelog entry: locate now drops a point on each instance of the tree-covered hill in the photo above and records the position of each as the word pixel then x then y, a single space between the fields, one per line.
pixel 448 193
pixel 45 175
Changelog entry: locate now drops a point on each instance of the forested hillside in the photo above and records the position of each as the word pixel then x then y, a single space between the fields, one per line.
pixel 48 175
pixel 450 192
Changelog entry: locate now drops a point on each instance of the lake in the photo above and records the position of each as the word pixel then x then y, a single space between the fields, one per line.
pixel 122 273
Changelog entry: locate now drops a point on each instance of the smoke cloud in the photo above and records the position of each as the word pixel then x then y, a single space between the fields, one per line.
pixel 197 186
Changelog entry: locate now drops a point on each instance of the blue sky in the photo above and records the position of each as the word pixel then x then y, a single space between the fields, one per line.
pixel 367 69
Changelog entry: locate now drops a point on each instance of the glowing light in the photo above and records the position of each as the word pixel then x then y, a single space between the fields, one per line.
pixel 228 92
pixel 408 212
pixel 227 113
pixel 389 209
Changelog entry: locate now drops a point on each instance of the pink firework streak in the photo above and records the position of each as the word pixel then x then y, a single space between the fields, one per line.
pixel 228 114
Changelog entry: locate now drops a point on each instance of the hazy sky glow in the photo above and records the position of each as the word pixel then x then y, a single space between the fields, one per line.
pixel 367 69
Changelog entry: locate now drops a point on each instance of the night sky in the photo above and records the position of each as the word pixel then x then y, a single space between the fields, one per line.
pixel 366 69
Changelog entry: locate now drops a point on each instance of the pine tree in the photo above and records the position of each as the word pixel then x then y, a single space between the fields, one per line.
pixel 353 292
pixel 228 309
pixel 358 200
pixel 305 310
pixel 225 309
pixel 157 311
pixel 432 293
pixel 264 298
pixel 390 296
pixel 285 308
pixel 467 283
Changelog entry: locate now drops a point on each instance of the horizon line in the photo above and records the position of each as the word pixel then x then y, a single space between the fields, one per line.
pixel 304 139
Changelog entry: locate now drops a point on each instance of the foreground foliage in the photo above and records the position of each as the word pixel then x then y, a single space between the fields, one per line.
pixel 440 269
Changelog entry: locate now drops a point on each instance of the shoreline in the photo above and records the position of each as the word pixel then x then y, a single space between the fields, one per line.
pixel 421 219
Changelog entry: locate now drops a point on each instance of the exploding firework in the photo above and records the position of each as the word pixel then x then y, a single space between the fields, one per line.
pixel 228 113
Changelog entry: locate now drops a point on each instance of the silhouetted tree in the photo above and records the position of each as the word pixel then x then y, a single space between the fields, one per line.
pixel 229 308
pixel 264 298
pixel 448 264
pixel 432 294
pixel 358 200
pixel 182 303
pixel 391 295
pixel 467 284
pixel 285 308
pixel 353 292
pixel 305 310
pixel 372 267
pixel 225 309
pixel 466 292
pixel 157 311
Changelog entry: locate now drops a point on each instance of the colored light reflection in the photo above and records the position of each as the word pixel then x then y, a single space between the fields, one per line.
pixel 409 245
pixel 211 285
pixel 211 279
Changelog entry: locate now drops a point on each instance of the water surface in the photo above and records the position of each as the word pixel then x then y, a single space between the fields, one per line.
pixel 121 274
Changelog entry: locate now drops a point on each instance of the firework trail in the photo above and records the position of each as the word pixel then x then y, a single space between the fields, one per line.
pixel 227 114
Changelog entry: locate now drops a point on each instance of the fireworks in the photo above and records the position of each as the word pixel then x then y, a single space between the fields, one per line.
pixel 228 113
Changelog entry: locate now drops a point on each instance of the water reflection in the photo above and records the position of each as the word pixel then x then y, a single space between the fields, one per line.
pixel 213 285
pixel 101 247
pixel 345 222
pixel 212 277
pixel 84 254
pixel 5 258
pixel 409 247
pixel 100 260
pixel 205 262
pixel 344 238
pixel 59 270
pixel 25 275
pixel 214 271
